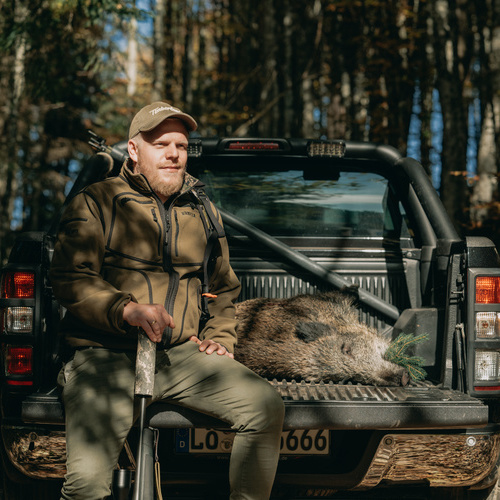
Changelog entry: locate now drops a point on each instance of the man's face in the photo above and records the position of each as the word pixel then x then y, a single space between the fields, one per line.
pixel 161 156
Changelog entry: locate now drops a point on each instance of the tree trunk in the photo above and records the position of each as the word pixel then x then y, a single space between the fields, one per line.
pixel 450 47
pixel 485 192
pixel 132 58
pixel 285 73
pixel 160 50
pixel 10 136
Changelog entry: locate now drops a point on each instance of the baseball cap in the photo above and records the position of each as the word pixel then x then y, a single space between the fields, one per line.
pixel 152 115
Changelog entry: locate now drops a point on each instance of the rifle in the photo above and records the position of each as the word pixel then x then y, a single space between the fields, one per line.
pixel 144 383
pixel 99 144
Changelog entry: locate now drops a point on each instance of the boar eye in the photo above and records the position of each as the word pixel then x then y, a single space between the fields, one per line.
pixel 346 349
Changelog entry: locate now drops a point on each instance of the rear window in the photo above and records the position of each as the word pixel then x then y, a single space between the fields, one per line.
pixel 285 204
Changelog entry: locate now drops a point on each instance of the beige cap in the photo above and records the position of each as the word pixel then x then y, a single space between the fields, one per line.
pixel 152 115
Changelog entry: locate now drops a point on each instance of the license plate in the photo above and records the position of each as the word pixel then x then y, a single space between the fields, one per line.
pixel 295 442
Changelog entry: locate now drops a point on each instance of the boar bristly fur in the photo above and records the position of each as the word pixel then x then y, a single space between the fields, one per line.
pixel 312 338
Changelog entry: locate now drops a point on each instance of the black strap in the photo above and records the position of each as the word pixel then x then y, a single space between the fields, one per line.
pixel 213 231
pixel 203 199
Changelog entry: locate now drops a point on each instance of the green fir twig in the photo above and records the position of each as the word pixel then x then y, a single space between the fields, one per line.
pixel 397 353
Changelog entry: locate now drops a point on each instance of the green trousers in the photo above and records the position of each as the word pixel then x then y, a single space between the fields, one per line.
pixel 98 394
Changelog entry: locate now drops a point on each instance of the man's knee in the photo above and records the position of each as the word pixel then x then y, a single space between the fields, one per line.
pixel 275 408
pixel 267 410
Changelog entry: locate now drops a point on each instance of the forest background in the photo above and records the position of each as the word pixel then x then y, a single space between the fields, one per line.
pixel 420 75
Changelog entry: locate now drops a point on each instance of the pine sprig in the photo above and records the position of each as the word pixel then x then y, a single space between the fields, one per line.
pixel 397 353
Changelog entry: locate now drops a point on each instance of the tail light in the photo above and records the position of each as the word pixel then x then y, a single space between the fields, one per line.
pixel 484 321
pixel 488 289
pixel 17 320
pixel 17 317
pixel 18 285
pixel 18 364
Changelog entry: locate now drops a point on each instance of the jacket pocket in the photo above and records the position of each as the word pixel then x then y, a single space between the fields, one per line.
pixel 188 239
pixel 135 232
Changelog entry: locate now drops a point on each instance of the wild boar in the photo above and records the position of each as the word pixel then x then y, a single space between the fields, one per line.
pixel 313 338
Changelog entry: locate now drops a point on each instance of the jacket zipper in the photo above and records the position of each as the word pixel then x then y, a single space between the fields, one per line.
pixel 176 235
pixel 155 218
pixel 173 285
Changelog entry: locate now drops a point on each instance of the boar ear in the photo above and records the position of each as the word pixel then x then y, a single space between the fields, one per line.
pixel 309 331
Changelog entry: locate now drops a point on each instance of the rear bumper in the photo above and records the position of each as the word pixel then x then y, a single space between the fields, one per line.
pixel 438 460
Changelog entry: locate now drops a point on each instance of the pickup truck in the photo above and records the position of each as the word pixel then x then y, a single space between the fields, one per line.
pixel 301 216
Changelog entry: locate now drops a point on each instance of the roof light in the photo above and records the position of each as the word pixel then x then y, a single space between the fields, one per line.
pixel 18 285
pixel 326 149
pixel 488 290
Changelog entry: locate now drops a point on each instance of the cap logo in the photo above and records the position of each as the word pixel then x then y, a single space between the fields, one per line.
pixel 164 108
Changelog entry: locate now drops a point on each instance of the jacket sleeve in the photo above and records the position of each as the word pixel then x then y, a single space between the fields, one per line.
pixel 221 326
pixel 76 265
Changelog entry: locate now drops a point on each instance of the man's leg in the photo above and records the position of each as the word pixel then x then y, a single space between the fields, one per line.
pixel 224 388
pixel 98 399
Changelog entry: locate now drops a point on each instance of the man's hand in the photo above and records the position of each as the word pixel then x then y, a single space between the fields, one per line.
pixel 210 346
pixel 152 318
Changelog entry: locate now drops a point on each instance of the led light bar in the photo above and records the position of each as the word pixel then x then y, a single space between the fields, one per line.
pixel 194 148
pixel 326 149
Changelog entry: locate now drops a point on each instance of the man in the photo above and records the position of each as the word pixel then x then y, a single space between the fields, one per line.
pixel 129 260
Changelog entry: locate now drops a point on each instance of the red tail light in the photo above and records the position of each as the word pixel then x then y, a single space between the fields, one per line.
pixel 18 285
pixel 18 360
pixel 488 290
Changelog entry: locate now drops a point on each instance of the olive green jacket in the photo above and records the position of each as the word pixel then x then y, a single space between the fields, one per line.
pixel 118 243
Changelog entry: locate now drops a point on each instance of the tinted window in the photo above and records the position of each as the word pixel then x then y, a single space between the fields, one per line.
pixel 357 204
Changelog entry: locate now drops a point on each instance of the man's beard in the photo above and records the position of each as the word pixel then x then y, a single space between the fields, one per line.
pixel 167 189
pixel 161 186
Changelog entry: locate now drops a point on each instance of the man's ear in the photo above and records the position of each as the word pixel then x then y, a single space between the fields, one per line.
pixel 132 150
